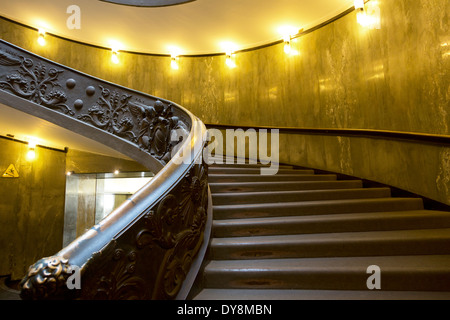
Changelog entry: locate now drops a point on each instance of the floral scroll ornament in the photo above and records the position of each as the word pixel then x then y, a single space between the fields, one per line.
pixel 157 125
pixel 34 82
pixel 177 226
pixel 111 113
pixel 47 279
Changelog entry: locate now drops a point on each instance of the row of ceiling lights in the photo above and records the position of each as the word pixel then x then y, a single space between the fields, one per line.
pixel 287 32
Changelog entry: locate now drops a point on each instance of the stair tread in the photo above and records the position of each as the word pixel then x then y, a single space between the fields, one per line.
pixel 293 294
pixel 315 207
pixel 414 272
pixel 385 236
pixel 340 217
pixel 300 195
pixel 363 243
pixel 215 177
pixel 227 175
pixel 256 170
pixel 368 221
pixel 306 203
pixel 293 192
pixel 236 187
pixel 413 263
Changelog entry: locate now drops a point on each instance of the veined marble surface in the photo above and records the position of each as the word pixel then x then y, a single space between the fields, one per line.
pixel 393 76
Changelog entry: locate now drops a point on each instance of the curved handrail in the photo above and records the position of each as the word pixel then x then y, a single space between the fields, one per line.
pixel 414 137
pixel 143 249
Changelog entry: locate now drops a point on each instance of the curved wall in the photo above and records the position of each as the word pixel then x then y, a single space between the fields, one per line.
pixel 394 77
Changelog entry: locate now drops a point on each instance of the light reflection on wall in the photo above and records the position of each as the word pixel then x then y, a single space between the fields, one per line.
pixel 378 73
pixel 325 84
pixel 111 192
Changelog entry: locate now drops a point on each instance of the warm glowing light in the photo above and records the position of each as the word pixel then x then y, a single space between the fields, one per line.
pixel 114 57
pixel 32 143
pixel 174 63
pixel 116 47
pixel 287 32
pixel 368 15
pixel 31 154
pixel 359 4
pixel 116 171
pixel 69 173
pixel 362 19
pixel 230 60
pixel 41 37
pixel 228 47
pixel 174 51
pixel 287 47
pixel 174 56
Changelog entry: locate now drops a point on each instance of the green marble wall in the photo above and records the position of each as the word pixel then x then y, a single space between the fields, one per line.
pixel 31 207
pixel 394 77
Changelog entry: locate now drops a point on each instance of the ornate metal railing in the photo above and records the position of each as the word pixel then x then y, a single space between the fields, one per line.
pixel 146 247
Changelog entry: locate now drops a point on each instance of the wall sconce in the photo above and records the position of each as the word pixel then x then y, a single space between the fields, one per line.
pixel 287 44
pixel 368 16
pixel 174 62
pixel 361 16
pixel 359 5
pixel 230 62
pixel 114 56
pixel 288 33
pixel 31 154
pixel 41 37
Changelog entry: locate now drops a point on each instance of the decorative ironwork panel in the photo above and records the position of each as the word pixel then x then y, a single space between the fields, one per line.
pixel 151 259
pixel 149 253
pixel 146 121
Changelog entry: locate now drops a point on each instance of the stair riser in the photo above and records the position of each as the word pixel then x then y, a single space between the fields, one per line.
pixel 223 229
pixel 312 195
pixel 290 186
pixel 311 249
pixel 315 208
pixel 261 178
pixel 328 280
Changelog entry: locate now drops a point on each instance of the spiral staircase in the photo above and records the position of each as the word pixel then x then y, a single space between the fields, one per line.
pixel 221 231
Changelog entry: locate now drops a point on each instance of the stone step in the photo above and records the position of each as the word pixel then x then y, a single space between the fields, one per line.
pixel 234 164
pixel 315 207
pixel 263 295
pixel 407 273
pixel 269 178
pixel 232 187
pixel 218 161
pixel 303 195
pixel 351 244
pixel 350 222
pixel 241 170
